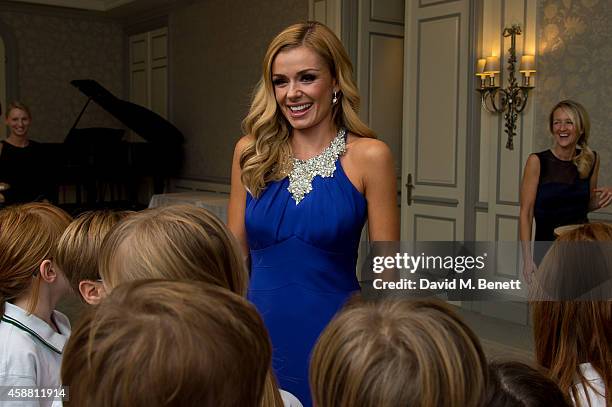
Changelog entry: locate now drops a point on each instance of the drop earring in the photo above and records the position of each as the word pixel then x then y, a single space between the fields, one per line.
pixel 335 98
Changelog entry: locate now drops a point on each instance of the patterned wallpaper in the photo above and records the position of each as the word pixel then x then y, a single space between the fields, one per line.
pixel 55 49
pixel 574 59
pixel 217 48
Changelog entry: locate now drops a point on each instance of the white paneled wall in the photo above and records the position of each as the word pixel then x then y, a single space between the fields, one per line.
pixel 149 70
pixel 328 12
pixel 148 79
pixel 435 120
pixel 380 68
pixel 500 168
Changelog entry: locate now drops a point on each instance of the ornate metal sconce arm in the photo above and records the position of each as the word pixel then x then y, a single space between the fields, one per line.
pixel 510 100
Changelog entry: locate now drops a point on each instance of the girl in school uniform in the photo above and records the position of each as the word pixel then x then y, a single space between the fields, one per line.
pixel 33 333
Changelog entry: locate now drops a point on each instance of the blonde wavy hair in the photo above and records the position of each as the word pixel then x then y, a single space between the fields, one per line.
pixel 168 343
pixel 267 157
pixel 580 117
pixel 29 234
pixel 398 353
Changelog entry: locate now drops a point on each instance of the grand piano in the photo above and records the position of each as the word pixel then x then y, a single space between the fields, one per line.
pixel 106 169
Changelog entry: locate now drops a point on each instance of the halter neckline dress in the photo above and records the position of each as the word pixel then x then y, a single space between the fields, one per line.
pixel 303 259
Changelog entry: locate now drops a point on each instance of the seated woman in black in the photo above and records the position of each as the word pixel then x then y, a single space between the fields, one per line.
pixel 25 173
pixel 559 185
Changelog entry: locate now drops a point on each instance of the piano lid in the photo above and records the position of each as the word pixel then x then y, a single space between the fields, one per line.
pixel 146 123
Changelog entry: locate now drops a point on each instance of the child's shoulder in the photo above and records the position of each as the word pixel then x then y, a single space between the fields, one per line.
pixel 18 351
pixel 26 336
pixel 16 332
pixel 30 350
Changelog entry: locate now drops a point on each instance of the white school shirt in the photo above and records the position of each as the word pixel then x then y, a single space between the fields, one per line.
pixel 289 400
pixel 31 352
pixel 598 398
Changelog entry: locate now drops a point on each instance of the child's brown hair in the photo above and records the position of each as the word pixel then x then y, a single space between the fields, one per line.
pixel 179 242
pixel 29 234
pixel 170 343
pixel 398 353
pixel 79 247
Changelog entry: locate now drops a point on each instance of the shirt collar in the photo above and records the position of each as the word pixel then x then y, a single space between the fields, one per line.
pixel 588 371
pixel 38 328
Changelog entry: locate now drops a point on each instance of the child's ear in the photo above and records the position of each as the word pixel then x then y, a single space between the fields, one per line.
pixel 47 271
pixel 91 291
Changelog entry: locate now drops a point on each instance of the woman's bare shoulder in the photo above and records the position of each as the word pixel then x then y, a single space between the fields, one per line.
pixel 533 162
pixel 368 149
pixel 243 142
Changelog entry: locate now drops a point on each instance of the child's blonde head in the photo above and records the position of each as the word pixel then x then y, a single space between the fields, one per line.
pixel 398 353
pixel 79 247
pixel 29 234
pixel 177 243
pixel 170 343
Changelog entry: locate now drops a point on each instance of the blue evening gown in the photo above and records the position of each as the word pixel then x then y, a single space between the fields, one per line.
pixel 303 261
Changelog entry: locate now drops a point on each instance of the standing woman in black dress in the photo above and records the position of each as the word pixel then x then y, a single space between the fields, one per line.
pixel 25 172
pixel 560 184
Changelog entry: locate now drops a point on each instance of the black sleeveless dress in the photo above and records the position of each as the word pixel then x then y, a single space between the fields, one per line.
pixel 562 197
pixel 29 172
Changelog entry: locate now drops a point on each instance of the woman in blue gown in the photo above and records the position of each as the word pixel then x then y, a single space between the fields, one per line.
pixel 305 178
pixel 559 185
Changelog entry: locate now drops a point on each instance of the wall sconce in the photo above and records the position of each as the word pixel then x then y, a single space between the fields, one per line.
pixel 512 100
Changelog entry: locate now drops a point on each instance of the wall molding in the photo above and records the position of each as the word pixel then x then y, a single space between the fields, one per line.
pixel 420 23
pixel 433 200
pixel 452 221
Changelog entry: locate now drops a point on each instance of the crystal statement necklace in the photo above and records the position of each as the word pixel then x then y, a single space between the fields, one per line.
pixel 324 164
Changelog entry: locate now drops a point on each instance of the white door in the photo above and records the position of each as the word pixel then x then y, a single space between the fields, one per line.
pixel 435 120
pixel 380 70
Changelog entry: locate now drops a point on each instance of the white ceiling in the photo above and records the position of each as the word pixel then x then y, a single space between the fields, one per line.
pixel 97 5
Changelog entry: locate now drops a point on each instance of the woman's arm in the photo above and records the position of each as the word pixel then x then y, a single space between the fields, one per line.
pixel 529 189
pixel 237 201
pixel 380 189
pixel 602 196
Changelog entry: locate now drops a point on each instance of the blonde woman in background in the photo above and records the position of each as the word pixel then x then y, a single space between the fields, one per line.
pixel 305 177
pixel 180 242
pixel 26 174
pixel 559 185
pixel 398 353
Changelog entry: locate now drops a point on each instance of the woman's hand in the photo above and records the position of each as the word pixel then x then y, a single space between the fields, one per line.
pixel 604 196
pixel 529 269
